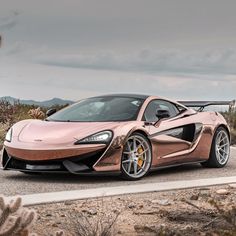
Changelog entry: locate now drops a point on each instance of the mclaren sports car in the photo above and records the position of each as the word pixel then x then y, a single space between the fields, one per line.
pixel 127 134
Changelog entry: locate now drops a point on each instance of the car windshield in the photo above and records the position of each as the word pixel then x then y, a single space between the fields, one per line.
pixel 98 109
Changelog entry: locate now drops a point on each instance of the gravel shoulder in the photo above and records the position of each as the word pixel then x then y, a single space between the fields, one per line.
pixel 182 212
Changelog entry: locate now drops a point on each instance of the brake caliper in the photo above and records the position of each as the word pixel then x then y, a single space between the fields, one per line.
pixel 140 158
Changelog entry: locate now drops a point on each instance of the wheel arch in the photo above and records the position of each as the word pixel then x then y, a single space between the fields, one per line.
pixel 140 131
pixel 225 127
pixel 143 132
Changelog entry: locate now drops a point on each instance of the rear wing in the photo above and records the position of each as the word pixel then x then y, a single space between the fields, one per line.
pixel 202 104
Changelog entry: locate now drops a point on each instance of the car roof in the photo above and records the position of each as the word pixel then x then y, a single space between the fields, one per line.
pixel 140 96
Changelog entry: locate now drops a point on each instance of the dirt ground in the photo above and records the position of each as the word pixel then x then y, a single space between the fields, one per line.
pixel 201 211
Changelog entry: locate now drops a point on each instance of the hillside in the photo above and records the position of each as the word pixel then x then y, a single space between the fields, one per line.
pixel 47 103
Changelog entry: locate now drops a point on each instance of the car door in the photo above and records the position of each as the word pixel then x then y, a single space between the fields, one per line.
pixel 171 137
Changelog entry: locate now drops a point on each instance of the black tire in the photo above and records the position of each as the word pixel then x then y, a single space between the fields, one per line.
pixel 213 161
pixel 146 164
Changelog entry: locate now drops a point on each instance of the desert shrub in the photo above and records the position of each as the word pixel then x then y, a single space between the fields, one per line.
pixel 228 214
pixel 233 137
pixel 7 112
pixel 36 113
pixel 100 225
pixel 97 223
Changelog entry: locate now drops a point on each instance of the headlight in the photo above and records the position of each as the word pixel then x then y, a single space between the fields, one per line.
pixel 101 137
pixel 9 135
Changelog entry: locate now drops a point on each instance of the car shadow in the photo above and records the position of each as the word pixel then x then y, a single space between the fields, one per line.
pixel 96 178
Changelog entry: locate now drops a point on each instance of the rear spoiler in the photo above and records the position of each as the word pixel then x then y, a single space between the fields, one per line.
pixel 202 104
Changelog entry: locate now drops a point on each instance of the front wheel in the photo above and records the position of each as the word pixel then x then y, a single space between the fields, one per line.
pixel 136 158
pixel 220 149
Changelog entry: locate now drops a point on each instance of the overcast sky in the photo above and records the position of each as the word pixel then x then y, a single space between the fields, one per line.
pixel 181 49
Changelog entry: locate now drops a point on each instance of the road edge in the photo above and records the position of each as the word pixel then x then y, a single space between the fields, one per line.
pixel 55 197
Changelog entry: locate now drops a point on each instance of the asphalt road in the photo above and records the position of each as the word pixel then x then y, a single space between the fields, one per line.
pixel 13 183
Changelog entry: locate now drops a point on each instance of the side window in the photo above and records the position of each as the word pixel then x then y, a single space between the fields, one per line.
pixel 155 105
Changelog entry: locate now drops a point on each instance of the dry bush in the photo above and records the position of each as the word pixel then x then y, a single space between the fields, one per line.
pixel 36 113
pixel 3 129
pixel 228 214
pixel 100 223
pixel 7 112
pixel 233 136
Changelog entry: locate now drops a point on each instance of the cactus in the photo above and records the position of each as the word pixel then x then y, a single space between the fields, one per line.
pixel 16 220
pixel 36 113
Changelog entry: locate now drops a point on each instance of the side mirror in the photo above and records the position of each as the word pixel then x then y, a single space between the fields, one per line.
pixel 51 112
pixel 161 114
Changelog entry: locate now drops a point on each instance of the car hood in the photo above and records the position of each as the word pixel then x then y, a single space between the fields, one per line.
pixel 61 132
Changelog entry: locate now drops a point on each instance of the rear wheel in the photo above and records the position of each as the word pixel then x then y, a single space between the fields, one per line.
pixel 136 158
pixel 220 149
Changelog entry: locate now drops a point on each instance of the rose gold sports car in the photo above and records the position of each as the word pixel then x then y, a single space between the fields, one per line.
pixel 127 134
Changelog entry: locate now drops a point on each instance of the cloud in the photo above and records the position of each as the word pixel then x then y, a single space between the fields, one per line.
pixel 8 22
pixel 165 62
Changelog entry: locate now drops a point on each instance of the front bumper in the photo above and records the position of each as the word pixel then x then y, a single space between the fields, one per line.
pixel 76 164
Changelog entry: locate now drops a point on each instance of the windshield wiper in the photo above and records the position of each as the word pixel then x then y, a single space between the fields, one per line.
pixel 58 120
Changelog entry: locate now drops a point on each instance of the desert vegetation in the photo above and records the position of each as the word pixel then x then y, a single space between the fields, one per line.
pixel 230 116
pixel 16 220
pixel 202 211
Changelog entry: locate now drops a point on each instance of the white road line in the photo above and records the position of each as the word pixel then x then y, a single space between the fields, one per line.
pixel 53 197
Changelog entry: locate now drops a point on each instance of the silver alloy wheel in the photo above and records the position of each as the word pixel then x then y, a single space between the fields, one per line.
pixel 222 148
pixel 136 159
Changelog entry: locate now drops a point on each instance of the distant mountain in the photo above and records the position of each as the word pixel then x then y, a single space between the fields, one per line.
pixel 47 103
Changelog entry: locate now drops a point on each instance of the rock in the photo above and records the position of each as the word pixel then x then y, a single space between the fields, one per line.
pixel 131 206
pixel 63 215
pixel 233 186
pixel 115 211
pixel 162 202
pixel 204 193
pixel 68 203
pixel 194 197
pixel 222 191
pixel 92 212
pixel 204 189
pixel 187 227
pixel 140 206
